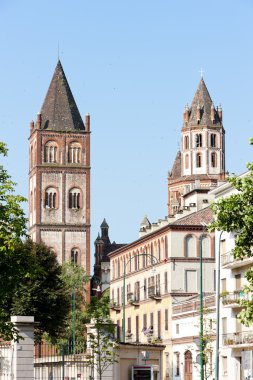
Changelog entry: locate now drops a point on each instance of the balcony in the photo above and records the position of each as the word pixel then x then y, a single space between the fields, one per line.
pixel 233 299
pixel 238 340
pixel 229 262
pixel 154 293
pixel 189 306
pixel 134 300
pixel 115 306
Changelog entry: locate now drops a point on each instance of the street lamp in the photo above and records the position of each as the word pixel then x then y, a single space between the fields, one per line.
pixel 217 362
pixel 153 258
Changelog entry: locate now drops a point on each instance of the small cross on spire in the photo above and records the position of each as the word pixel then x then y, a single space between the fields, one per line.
pixel 201 73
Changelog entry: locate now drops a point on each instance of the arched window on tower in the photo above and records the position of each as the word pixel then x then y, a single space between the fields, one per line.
pixel 51 200
pixel 187 161
pixel 51 152
pixel 74 154
pixel 186 142
pixel 214 159
pixel 198 160
pixel 75 198
pixel 213 140
pixel 198 140
pixel 74 255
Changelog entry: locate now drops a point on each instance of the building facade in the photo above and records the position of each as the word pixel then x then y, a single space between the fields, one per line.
pixel 59 175
pixel 235 339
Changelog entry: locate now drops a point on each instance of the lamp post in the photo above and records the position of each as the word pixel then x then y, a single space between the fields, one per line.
pixel 153 258
pixel 217 361
pixel 201 312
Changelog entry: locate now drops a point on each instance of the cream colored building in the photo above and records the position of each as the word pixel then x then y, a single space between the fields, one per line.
pixel 160 267
pixel 236 340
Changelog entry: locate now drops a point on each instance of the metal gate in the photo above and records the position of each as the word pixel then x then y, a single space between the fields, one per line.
pixel 61 362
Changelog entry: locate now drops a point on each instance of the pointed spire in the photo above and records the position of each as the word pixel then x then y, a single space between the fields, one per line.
pixel 176 168
pixel 104 224
pixel 201 107
pixel 59 111
pixel 145 223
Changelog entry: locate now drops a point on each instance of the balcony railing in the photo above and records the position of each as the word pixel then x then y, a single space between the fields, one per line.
pixel 187 306
pixel 229 261
pixel 234 298
pixel 237 339
pixel 115 306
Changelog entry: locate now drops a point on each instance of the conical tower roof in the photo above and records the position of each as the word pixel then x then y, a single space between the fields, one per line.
pixel 104 224
pixel 59 111
pixel 202 101
pixel 176 168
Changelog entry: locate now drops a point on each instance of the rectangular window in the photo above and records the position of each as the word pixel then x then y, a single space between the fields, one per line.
pixel 144 321
pixel 145 288
pixel 191 281
pixel 177 364
pixel 157 284
pixel 177 328
pixel 159 324
pixel 152 320
pixel 238 282
pixel 165 282
pixel 166 315
pixel 137 291
pixel 137 328
pixel 118 298
pixel 118 329
pixel 129 325
pixel 223 285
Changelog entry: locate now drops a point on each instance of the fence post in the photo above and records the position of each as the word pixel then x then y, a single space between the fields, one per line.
pixel 23 351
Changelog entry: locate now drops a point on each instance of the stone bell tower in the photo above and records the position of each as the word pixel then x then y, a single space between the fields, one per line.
pixel 59 175
pixel 201 161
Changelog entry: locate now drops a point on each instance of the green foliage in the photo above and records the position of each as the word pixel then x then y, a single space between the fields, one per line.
pixel 41 293
pixel 235 214
pixel 75 280
pixel 101 338
pixel 12 229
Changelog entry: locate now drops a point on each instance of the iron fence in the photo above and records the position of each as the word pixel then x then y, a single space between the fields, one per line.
pixel 61 362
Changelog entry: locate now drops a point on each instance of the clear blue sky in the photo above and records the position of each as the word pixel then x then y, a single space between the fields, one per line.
pixel 133 65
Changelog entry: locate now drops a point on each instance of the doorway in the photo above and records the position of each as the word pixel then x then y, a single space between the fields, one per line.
pixel 188 365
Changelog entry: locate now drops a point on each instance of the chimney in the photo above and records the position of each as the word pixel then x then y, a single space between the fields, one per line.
pixel 87 121
pixel 38 121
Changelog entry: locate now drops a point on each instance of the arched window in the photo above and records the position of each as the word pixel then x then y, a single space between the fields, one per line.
pixel 159 250
pixel 51 152
pixel 198 140
pixel 190 246
pixel 166 247
pixel 198 160
pixel 51 198
pixel 213 140
pixel 75 198
pixel 74 154
pixel 205 243
pixel 186 142
pixel 214 159
pixel 187 161
pixel 74 255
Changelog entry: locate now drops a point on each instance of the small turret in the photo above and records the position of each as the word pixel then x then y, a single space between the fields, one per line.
pixel 38 120
pixel 186 113
pixel 220 112
pixel 212 113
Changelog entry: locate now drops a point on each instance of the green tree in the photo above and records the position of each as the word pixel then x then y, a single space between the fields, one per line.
pixel 101 340
pixel 42 292
pixel 75 279
pixel 235 214
pixel 12 229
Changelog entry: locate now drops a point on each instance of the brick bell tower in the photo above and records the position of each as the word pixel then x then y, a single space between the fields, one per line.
pixel 59 175
pixel 201 162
